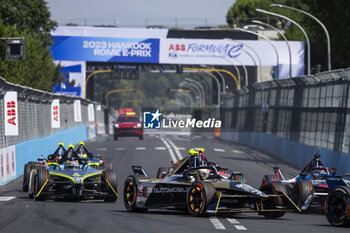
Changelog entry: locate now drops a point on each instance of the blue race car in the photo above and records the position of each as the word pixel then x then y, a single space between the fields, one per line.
pixel 309 188
pixel 337 207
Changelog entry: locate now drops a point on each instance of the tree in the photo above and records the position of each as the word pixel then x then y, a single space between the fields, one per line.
pixel 29 19
pixel 334 15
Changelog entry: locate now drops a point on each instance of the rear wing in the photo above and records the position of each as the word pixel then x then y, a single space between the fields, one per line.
pixel 139 172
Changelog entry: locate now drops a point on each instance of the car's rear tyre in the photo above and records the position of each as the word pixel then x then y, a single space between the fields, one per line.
pixel 162 172
pixel 130 194
pixel 272 202
pixel 301 191
pixel 141 137
pixel 199 196
pixel 26 174
pixel 115 138
pixel 40 184
pixel 111 185
pixel 338 207
pixel 107 164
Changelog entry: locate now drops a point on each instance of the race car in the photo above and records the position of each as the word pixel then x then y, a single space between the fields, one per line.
pixel 309 189
pixel 128 125
pixel 96 162
pixel 72 177
pixel 337 208
pixel 199 160
pixel 202 190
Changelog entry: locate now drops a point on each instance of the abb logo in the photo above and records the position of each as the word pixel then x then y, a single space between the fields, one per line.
pixel 177 47
pixel 11 112
pixel 55 113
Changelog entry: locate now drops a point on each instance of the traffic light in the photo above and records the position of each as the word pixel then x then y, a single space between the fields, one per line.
pixel 179 69
pixel 15 49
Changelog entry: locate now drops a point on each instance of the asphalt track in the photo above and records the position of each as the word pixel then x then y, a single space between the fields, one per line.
pixel 22 214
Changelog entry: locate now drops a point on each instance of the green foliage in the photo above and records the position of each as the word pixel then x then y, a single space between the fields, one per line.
pixel 29 19
pixel 151 89
pixel 333 14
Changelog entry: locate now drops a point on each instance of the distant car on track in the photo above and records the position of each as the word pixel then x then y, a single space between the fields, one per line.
pixel 202 190
pixel 337 207
pixel 309 189
pixel 128 125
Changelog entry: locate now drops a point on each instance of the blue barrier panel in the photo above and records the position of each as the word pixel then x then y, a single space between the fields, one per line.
pixel 31 150
pixel 296 153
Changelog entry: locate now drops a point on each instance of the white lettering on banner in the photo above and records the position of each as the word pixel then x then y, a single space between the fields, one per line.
pixel 55 114
pixel 120 49
pixel 91 112
pixel 77 111
pixel 11 113
pixel 7 163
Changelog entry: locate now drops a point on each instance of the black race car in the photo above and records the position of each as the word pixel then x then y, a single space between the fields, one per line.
pixel 202 190
pixel 337 208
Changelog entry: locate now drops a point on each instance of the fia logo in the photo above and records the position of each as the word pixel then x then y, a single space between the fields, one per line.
pixel 151 120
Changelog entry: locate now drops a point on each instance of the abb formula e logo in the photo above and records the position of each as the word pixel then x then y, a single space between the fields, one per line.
pixel 177 47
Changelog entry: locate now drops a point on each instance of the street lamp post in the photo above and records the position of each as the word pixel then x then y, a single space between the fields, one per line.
pixel 195 90
pixel 284 37
pixel 268 40
pixel 318 21
pixel 253 50
pixel 302 29
pixel 196 83
pixel 92 74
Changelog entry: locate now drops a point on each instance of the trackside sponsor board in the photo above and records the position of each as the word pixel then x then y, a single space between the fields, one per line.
pixel 105 49
pixel 228 52
pixel 55 114
pixel 7 163
pixel 77 111
pixel 11 113
pixel 91 112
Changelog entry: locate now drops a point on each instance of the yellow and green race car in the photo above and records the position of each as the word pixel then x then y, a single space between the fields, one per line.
pixel 73 177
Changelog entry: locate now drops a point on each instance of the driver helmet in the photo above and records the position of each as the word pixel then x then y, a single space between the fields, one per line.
pixel 70 146
pixel 81 143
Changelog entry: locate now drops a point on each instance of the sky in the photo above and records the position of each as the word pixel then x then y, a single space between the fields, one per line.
pixel 140 12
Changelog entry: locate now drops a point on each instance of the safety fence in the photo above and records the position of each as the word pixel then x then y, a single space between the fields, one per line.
pixel 32 122
pixel 35 114
pixel 311 110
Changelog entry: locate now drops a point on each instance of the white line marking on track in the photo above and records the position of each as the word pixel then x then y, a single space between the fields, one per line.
pixel 6 198
pixel 120 148
pixel 217 224
pixel 181 148
pixel 160 148
pixel 232 220
pixel 237 151
pixel 101 148
pixel 140 148
pixel 219 150
pixel 240 227
pixel 176 149
pixel 236 224
pixel 171 152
